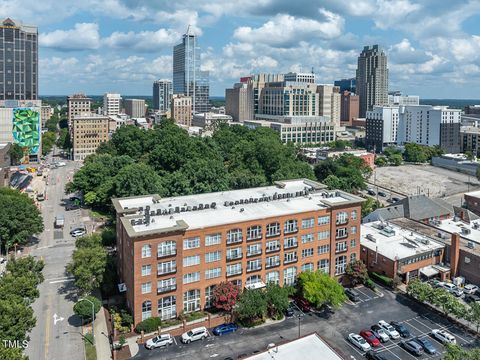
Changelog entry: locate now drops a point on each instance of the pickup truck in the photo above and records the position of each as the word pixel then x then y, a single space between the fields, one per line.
pixel 59 221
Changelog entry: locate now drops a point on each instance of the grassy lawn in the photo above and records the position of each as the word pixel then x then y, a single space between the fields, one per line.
pixel 90 352
pixel 99 215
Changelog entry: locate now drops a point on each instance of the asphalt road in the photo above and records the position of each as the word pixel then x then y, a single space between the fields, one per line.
pixel 351 318
pixel 57 334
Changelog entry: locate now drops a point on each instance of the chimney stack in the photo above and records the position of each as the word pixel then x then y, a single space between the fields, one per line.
pixel 454 254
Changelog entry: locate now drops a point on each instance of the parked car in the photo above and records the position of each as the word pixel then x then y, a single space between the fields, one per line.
pixel 372 355
pixel 78 232
pixel 470 298
pixel 390 201
pixel 470 289
pixel 457 292
pixel 389 329
pixel 412 347
pixel 382 194
pixel 371 192
pixel 380 333
pixel 426 344
pixel 225 329
pixel 352 294
pixel 449 287
pixel 303 304
pixel 159 341
pixel 395 199
pixel 289 312
pixel 70 206
pixel 359 342
pixel 443 336
pixel 199 333
pixel 402 329
pixel 370 338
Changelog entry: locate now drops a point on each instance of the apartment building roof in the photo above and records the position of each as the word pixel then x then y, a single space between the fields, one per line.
pixel 395 242
pixel 146 215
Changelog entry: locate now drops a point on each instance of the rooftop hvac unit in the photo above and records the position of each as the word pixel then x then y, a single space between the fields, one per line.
pixel 170 211
pixel 241 201
pixel 132 222
pixel 153 220
pixel 152 213
pixel 147 208
pixel 189 208
pixel 466 231
pixel 225 203
pixel 213 205
pixel 237 202
pixel 371 237
pixel 242 210
pixel 140 208
pixel 195 206
pixel 159 211
pixel 183 209
pixel 177 209
pixel 164 212
pixel 471 245
pixel 206 206
pixel 200 206
pixel 475 225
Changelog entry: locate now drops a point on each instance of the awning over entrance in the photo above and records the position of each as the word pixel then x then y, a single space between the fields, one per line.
pixel 255 285
pixel 429 271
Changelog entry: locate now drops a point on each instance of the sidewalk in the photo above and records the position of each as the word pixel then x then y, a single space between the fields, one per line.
pixel 102 344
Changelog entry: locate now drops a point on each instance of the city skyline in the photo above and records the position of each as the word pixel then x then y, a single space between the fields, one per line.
pixel 84 49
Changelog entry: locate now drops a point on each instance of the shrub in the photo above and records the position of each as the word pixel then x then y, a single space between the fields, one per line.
pixel 148 325
pixel 83 308
pixel 382 279
pixel 109 237
pixel 370 284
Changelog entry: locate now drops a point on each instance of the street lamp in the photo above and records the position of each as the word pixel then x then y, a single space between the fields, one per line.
pixel 299 318
pixel 93 318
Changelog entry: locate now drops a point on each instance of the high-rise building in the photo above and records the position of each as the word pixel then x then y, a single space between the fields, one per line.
pixel 346 85
pixel 372 78
pixel 173 251
pixel 112 104
pixel 188 79
pixel 181 109
pixel 258 82
pixel 162 95
pixel 329 102
pixel 239 102
pixel 135 108
pixel 300 77
pixel 396 98
pixel 349 108
pixel 78 105
pixel 87 133
pixel 18 61
pixel 381 127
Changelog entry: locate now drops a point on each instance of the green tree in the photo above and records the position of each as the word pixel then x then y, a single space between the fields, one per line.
pixel 11 353
pixel 16 318
pixel 24 287
pixel 88 267
pixel 19 218
pixel 395 159
pixel 48 140
pixel 83 308
pixel 456 352
pixel 251 305
pixel 63 140
pixel 446 301
pixel 474 314
pixel 277 300
pixel 136 179
pixel 357 272
pixel 319 288
pixel 369 205
pixel 16 154
pixel 381 161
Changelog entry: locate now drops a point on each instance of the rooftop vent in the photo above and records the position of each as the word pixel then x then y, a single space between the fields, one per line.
pixel 213 205
pixel 371 238
pixel 466 231
pixel 471 245
pixel 242 210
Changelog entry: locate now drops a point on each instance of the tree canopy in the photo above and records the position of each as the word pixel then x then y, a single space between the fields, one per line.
pixel 19 218
pixel 357 272
pixel 225 296
pixel 251 305
pixel 319 288
pixel 83 307
pixel 420 153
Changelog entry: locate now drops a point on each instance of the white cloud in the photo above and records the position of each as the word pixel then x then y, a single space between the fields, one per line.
pixel 153 41
pixel 82 36
pixel 286 30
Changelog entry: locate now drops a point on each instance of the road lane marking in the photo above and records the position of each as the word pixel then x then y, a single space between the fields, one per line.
pixel 47 327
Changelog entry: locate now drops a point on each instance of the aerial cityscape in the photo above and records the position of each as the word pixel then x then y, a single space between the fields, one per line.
pixel 253 180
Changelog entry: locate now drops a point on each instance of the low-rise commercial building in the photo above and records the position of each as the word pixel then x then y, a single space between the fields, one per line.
pixel 173 251
pixel 210 121
pixel 181 109
pixel 472 201
pixel 87 133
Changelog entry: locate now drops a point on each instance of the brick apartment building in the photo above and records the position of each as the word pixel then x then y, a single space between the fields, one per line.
pixel 173 251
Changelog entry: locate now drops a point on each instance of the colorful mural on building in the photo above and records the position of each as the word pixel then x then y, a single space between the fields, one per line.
pixel 26 129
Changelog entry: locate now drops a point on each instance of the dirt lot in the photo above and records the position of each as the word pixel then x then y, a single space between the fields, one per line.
pixel 425 179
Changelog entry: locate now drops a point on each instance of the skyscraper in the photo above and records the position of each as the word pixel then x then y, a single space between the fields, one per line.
pixel 162 95
pixel 19 54
pixel 188 79
pixel 372 78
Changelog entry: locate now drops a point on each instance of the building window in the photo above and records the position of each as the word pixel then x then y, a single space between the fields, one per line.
pixel 167 248
pixel 191 300
pixel 289 276
pixel 191 260
pixel 146 270
pixel 254 265
pixel 324 249
pixel 341 233
pixel 191 243
pixel 307 267
pixel 273 229
pixel 290 226
pixel 235 253
pixel 234 269
pixel 255 249
pixel 323 235
pixel 209 296
pixel 213 273
pixel 352 243
pixel 342 217
pixel 191 277
pixel 354 215
pixel 306 238
pixel 166 285
pixel 146 288
pixel 341 246
pixel 146 251
pixel 308 223
pixel 290 256
pixel 290 242
pixel 254 232
pixel 167 307
pixel 213 256
pixel 166 267
pixel 273 277
pixel 234 236
pixel 353 257
pixel 273 245
pixel 353 230
pixel 272 261
pixel 340 265
pixel 213 239
pixel 146 310
pixel 324 265
pixel 307 253
pixel 323 220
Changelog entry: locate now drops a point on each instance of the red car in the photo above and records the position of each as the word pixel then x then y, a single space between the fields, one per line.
pixel 370 338
pixel 303 304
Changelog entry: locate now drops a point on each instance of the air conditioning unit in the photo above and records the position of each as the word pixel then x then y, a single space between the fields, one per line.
pixel 471 245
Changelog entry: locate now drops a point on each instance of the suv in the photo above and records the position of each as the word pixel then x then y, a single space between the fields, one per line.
pixel 352 295
pixel 371 355
pixel 426 344
pixel 194 334
pixel 389 329
pixel 443 336
pixel 159 341
pixel 470 289
pixel 78 232
pixel 371 192
pixel 382 194
pixel 413 347
pixel 380 333
pixel 402 329
pixel 470 298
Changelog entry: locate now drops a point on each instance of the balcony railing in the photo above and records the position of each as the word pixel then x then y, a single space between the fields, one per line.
pixel 167 271
pixel 235 272
pixel 166 254
pixel 290 231
pixel 269 235
pixel 255 237
pixel 234 256
pixel 234 241
pixel 272 264
pixel 289 261
pixel 290 246
pixel 341 236
pixel 254 253
pixel 254 268
pixel 166 289
pixel 338 251
pixel 273 249
pixel 342 221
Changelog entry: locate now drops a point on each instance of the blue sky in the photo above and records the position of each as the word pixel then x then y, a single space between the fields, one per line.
pixel 95 46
